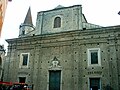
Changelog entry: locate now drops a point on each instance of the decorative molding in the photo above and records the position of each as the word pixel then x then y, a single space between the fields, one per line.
pixel 89 56
pixel 55 64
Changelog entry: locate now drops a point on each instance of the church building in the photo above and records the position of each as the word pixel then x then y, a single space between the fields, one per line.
pixel 64 52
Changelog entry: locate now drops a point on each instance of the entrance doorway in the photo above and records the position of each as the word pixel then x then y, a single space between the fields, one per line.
pixel 22 79
pixel 54 80
pixel 94 83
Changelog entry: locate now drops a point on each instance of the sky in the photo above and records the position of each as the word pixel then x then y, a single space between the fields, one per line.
pixel 99 12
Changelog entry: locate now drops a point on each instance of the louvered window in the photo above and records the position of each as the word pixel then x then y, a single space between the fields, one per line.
pixel 57 22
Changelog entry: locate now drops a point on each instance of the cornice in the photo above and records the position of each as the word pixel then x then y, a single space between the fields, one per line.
pixel 67 34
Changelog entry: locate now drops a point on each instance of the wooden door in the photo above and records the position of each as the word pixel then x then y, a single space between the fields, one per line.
pixel 54 80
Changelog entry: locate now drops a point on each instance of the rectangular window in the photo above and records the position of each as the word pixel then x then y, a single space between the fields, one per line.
pixel 24 60
pixel 22 79
pixel 94 83
pixel 94 56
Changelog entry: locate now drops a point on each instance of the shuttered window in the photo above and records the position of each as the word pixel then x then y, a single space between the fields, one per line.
pixel 94 57
pixel 25 59
pixel 57 22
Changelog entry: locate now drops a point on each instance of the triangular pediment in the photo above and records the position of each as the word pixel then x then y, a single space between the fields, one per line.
pixel 59 6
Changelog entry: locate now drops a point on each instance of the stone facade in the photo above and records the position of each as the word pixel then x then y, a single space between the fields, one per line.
pixel 74 56
pixel 71 19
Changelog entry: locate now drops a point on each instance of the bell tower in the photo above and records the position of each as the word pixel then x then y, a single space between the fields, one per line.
pixel 26 28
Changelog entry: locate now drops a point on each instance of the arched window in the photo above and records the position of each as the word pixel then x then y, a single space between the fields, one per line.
pixel 57 22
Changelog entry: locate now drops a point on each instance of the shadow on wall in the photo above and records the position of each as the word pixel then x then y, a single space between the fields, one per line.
pixel 0 61
pixel 107 87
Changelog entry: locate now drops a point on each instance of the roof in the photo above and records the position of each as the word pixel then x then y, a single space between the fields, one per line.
pixel 59 6
pixel 28 18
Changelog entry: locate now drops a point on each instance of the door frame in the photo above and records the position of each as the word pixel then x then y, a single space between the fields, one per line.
pixel 48 78
pixel 89 82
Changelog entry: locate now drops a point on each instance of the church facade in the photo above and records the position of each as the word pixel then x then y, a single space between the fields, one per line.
pixel 64 52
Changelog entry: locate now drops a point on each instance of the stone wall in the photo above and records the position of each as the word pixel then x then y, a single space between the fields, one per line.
pixel 71 19
pixel 71 50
